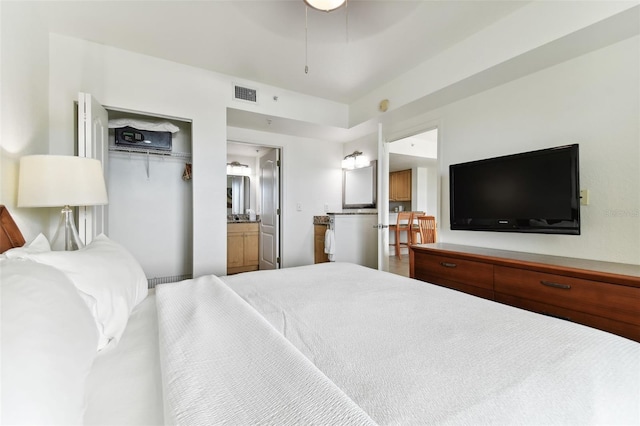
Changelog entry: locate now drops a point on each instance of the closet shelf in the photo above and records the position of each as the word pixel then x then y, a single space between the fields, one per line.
pixel 132 150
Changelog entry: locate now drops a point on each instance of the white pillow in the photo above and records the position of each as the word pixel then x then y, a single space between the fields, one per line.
pixel 40 244
pixel 49 343
pixel 109 278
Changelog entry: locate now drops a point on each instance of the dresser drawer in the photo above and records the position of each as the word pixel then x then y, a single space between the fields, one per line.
pixel 443 269
pixel 616 302
pixel 630 331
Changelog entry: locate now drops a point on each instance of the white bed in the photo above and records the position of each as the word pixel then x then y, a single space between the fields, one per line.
pixel 335 343
pixel 124 386
pixel 408 352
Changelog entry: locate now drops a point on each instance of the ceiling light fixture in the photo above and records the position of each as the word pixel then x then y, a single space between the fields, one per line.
pixel 323 6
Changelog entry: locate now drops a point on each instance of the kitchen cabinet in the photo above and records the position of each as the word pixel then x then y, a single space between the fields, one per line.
pixel 602 295
pixel 242 247
pixel 400 185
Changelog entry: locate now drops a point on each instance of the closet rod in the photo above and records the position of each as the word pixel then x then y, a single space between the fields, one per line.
pixel 131 150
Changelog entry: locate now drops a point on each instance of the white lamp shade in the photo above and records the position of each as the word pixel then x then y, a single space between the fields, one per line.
pixel 58 180
pixel 325 5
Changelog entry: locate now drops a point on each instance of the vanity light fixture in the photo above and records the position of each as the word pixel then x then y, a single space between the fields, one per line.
pixel 237 169
pixel 355 160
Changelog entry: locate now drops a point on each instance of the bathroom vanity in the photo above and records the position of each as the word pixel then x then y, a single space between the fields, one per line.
pixel 243 243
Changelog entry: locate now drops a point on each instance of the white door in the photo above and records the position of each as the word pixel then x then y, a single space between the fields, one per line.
pixel 270 214
pixel 93 142
pixel 383 202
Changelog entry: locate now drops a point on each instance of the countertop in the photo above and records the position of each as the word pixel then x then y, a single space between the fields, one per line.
pixel 241 218
pixel 326 220
pixel 353 212
pixel 321 220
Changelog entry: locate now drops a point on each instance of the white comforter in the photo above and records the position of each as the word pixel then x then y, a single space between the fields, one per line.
pixel 222 363
pixel 412 353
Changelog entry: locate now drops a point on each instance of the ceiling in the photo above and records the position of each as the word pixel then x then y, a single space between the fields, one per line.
pixel 349 51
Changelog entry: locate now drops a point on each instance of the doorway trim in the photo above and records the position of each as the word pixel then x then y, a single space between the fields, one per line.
pixel 411 131
pixel 424 127
pixel 281 194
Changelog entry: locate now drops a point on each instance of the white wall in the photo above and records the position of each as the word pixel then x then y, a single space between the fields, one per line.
pixel 514 35
pixel 419 189
pixel 151 215
pixel 24 112
pixel 433 206
pixel 591 100
pixel 160 87
pixel 149 85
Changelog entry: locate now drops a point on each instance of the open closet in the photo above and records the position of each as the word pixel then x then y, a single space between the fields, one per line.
pixel 151 202
pixel 150 210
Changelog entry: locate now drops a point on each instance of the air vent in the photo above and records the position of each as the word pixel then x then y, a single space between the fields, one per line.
pixel 245 94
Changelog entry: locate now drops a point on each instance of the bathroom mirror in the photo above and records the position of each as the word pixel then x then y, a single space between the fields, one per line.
pixel 359 187
pixel 238 191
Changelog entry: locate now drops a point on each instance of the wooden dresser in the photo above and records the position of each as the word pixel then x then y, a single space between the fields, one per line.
pixel 602 295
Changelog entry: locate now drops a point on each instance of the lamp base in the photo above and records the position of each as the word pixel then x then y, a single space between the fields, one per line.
pixel 66 237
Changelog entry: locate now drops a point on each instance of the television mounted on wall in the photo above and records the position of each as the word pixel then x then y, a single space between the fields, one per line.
pixel 535 192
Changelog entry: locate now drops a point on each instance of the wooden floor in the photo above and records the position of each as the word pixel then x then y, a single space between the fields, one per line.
pixel 399 266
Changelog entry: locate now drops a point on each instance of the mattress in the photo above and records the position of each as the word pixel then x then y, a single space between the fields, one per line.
pixel 409 352
pixel 125 386
pixel 339 343
pixel 222 363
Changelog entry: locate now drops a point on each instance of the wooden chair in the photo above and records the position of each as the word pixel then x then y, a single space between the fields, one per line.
pixel 403 224
pixel 428 231
pixel 415 229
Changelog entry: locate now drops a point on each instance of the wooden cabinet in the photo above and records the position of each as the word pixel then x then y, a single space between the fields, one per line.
pixel 242 247
pixel 318 244
pixel 400 186
pixel 602 295
pixel 465 275
pixel 595 303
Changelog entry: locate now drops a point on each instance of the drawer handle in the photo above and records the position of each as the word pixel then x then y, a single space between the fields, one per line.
pixel 448 265
pixel 555 285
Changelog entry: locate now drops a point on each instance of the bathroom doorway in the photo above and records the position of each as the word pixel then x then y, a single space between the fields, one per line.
pixel 264 197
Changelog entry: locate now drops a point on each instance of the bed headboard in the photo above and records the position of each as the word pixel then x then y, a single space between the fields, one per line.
pixel 10 235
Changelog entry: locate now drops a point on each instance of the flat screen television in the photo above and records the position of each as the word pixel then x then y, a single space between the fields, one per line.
pixel 536 192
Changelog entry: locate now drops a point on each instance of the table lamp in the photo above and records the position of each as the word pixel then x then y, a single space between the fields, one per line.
pixel 58 180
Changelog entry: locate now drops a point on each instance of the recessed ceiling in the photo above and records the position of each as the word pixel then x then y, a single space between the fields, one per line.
pixel 350 51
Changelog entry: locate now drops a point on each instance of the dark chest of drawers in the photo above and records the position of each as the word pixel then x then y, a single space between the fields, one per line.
pixel 602 295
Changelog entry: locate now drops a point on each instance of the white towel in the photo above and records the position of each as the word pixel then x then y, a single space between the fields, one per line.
pixel 330 244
